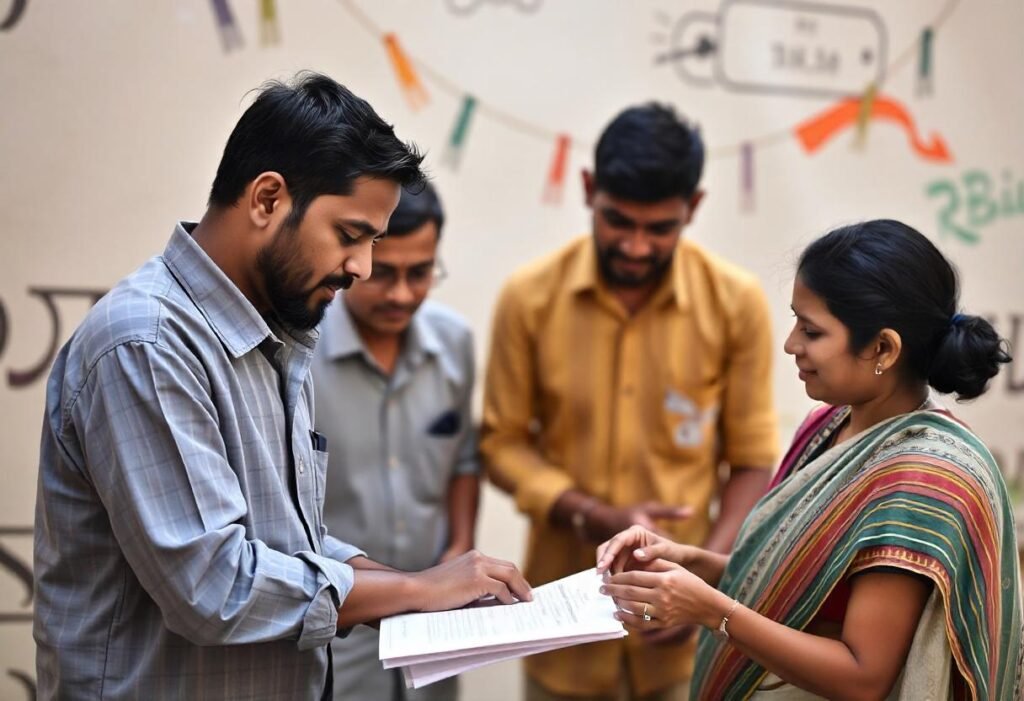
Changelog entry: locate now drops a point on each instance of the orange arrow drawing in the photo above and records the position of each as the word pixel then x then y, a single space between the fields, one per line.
pixel 814 132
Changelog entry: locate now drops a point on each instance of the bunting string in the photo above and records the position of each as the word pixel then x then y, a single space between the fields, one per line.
pixel 528 128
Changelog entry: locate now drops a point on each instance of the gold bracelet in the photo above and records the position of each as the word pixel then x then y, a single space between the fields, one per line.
pixel 723 634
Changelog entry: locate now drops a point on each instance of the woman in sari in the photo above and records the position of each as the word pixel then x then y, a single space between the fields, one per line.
pixel 882 562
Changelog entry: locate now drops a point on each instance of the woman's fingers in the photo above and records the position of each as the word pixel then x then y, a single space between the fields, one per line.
pixel 659 565
pixel 637 578
pixel 633 616
pixel 608 551
pixel 654 551
pixel 626 592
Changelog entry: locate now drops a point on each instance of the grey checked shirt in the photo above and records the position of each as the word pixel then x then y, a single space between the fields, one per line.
pixel 396 442
pixel 180 550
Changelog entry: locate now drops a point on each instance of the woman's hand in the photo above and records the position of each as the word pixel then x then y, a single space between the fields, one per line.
pixel 666 594
pixel 633 548
pixel 636 548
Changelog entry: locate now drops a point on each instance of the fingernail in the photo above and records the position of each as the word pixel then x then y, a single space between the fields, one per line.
pixel 640 553
pixel 604 590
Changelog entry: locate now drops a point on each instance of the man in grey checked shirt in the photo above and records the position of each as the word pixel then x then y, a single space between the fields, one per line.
pixel 394 380
pixel 180 549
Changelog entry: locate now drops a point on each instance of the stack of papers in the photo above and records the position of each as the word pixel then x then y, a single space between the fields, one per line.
pixel 430 647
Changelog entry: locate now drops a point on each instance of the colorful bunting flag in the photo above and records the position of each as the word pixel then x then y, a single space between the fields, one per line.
pixel 556 173
pixel 410 83
pixel 457 140
pixel 746 177
pixel 227 27
pixel 867 104
pixel 924 62
pixel 270 28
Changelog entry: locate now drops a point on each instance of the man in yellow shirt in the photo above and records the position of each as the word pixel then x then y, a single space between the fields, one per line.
pixel 628 370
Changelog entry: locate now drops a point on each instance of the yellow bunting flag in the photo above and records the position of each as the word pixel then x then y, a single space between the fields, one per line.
pixel 270 29
pixel 556 173
pixel 414 91
pixel 867 104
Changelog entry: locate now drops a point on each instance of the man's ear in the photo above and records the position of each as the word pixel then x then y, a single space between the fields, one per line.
pixel 268 200
pixel 695 199
pixel 588 187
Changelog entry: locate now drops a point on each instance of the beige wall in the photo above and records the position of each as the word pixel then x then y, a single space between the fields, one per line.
pixel 114 115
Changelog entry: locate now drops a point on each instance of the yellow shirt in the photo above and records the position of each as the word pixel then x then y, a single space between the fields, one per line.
pixel 579 394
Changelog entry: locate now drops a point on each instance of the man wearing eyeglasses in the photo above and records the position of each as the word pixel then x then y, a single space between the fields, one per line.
pixel 393 379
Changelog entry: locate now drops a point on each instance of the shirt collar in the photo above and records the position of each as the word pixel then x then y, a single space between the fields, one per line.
pixel 339 336
pixel 341 339
pixel 584 275
pixel 232 317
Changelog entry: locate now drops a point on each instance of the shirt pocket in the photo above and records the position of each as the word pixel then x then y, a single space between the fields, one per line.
pixel 432 469
pixel 688 420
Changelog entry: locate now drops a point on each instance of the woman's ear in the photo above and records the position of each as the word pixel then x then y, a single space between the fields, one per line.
pixel 888 349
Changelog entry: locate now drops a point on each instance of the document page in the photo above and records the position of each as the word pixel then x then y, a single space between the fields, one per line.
pixel 565 612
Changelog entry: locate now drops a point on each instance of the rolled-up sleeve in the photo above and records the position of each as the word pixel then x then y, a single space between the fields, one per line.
pixel 157 460
pixel 340 550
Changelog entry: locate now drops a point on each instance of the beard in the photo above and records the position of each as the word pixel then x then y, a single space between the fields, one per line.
pixel 655 272
pixel 286 281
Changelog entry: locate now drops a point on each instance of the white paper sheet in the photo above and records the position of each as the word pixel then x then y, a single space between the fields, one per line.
pixel 433 646
pixel 419 675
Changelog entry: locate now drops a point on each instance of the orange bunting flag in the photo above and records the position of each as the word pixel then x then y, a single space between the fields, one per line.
pixel 414 91
pixel 821 128
pixel 270 30
pixel 556 173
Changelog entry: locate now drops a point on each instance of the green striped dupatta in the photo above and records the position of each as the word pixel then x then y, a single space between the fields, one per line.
pixel 919 492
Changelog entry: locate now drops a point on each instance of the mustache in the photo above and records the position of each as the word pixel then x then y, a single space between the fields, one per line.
pixel 614 254
pixel 389 307
pixel 339 281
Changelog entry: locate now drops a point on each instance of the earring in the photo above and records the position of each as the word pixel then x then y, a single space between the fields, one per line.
pixel 878 369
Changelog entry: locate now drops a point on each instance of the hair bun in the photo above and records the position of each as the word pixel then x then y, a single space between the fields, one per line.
pixel 968 355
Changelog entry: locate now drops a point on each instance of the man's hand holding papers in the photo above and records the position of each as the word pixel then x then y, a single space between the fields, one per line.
pixel 433 646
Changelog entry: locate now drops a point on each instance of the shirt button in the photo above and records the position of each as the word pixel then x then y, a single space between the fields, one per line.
pixel 302 466
pixel 393 462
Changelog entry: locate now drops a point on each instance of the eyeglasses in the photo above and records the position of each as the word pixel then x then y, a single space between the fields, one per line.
pixel 418 277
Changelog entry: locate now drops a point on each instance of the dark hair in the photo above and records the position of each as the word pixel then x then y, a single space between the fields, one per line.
pixel 648 154
pixel 416 208
pixel 319 137
pixel 884 274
